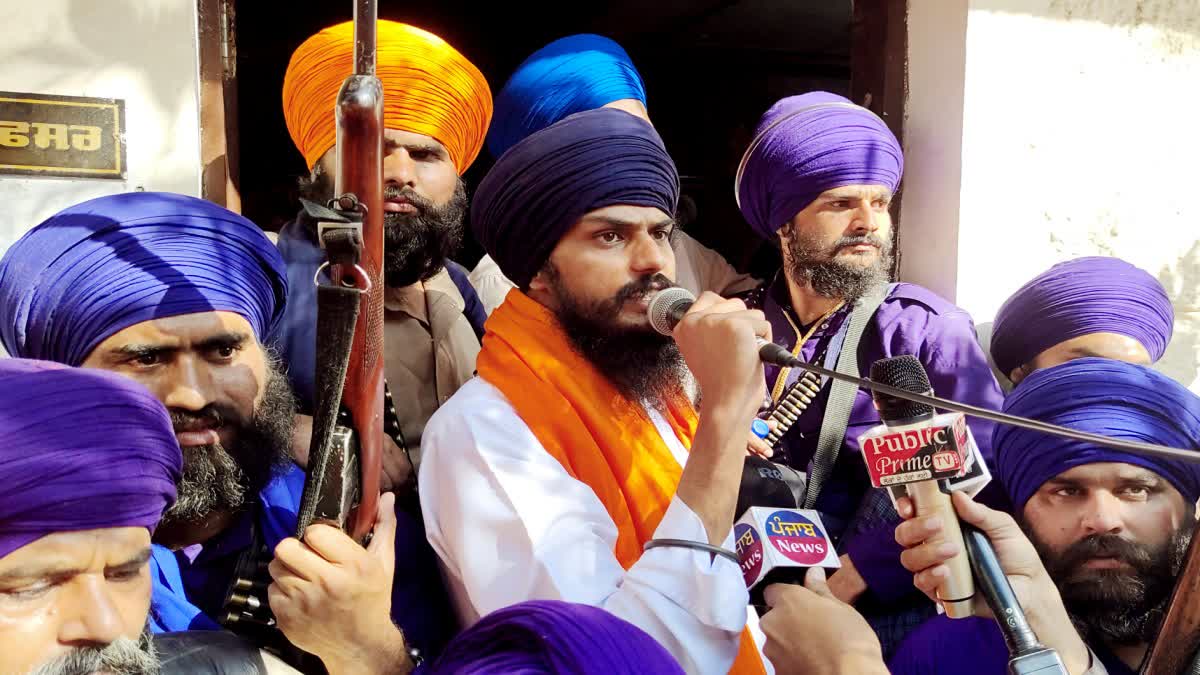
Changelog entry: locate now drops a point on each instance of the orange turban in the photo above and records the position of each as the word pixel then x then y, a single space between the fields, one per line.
pixel 428 88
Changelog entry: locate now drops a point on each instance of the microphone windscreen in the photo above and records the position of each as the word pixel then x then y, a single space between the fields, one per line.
pixel 667 306
pixel 902 372
pixel 765 483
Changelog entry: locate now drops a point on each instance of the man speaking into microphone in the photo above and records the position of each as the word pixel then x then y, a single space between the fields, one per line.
pixel 574 467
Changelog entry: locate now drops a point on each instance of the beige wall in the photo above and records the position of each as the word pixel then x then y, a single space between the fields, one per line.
pixel 1042 130
pixel 143 51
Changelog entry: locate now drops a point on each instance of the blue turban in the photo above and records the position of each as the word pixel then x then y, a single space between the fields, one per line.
pixel 80 449
pixel 551 637
pixel 1102 396
pixel 1081 297
pixel 110 263
pixel 569 75
pixel 805 145
pixel 541 187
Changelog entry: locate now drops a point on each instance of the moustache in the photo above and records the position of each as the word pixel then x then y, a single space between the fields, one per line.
pixel 208 417
pixel 869 239
pixel 640 288
pixel 421 204
pixel 1105 546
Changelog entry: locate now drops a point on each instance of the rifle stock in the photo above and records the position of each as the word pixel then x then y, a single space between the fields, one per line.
pixel 345 467
pixel 1175 648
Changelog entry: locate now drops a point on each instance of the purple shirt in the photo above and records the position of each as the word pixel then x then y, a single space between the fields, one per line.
pixel 911 320
pixel 973 645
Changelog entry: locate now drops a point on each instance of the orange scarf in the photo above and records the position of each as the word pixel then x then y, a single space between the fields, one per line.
pixel 599 437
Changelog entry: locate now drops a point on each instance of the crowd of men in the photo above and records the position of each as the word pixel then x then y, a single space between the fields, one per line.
pixel 561 479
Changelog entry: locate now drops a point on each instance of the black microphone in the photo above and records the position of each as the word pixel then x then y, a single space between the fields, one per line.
pixel 776 541
pixel 670 304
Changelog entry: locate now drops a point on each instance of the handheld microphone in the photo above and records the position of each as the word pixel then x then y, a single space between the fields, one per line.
pixel 947 436
pixel 776 542
pixel 920 450
pixel 670 304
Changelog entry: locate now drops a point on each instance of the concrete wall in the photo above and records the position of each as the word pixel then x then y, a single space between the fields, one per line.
pixel 1042 130
pixel 143 51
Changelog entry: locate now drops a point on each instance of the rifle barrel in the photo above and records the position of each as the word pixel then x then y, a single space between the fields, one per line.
pixel 365 21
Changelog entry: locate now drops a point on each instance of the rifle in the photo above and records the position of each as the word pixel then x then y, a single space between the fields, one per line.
pixel 1175 649
pixel 342 485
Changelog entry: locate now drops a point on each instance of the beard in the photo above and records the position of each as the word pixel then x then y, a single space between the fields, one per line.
pixel 122 656
pixel 832 277
pixel 416 245
pixel 217 478
pixel 1117 606
pixel 642 364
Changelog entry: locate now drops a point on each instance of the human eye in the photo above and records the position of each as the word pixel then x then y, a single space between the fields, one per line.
pixel 125 574
pixel 148 359
pixel 28 592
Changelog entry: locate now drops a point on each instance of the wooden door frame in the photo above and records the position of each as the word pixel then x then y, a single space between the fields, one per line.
pixel 216 36
pixel 879 75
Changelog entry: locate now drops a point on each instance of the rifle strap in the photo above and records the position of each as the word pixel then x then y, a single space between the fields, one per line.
pixel 337 312
pixel 841 396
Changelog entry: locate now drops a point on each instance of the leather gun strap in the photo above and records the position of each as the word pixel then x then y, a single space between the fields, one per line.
pixel 841 397
pixel 337 312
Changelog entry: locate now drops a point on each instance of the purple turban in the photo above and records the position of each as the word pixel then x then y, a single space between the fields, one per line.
pixel 1102 396
pixel 543 637
pixel 80 449
pixel 805 145
pixel 544 184
pixel 1080 297
pixel 110 263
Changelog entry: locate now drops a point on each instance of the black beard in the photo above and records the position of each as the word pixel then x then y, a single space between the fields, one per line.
pixel 1117 607
pixel 417 245
pixel 219 479
pixel 829 276
pixel 119 657
pixel 643 365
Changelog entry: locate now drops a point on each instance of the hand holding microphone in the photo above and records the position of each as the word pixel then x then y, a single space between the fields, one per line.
pixel 810 631
pixel 1019 563
pixel 919 450
pixel 717 338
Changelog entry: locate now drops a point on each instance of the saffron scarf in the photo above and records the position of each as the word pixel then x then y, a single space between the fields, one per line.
pixel 600 437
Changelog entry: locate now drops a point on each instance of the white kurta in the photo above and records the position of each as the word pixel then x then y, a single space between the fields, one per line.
pixel 510 524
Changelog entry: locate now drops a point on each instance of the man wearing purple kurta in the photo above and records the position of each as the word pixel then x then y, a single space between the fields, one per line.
pixel 818 179
pixel 1110 527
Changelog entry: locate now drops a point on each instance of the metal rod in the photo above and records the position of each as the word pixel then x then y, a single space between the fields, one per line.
pixel 366 16
pixel 1140 448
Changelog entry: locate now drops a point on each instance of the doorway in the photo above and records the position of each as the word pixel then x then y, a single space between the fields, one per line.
pixel 711 68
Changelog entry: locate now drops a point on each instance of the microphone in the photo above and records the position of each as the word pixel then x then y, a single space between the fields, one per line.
pixel 915 438
pixel 670 304
pixel 920 450
pixel 776 542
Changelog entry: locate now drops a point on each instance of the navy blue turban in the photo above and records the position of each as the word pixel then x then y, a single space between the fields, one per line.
pixel 1102 396
pixel 541 187
pixel 569 75
pixel 106 264
pixel 1081 297
pixel 80 449
pixel 544 637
